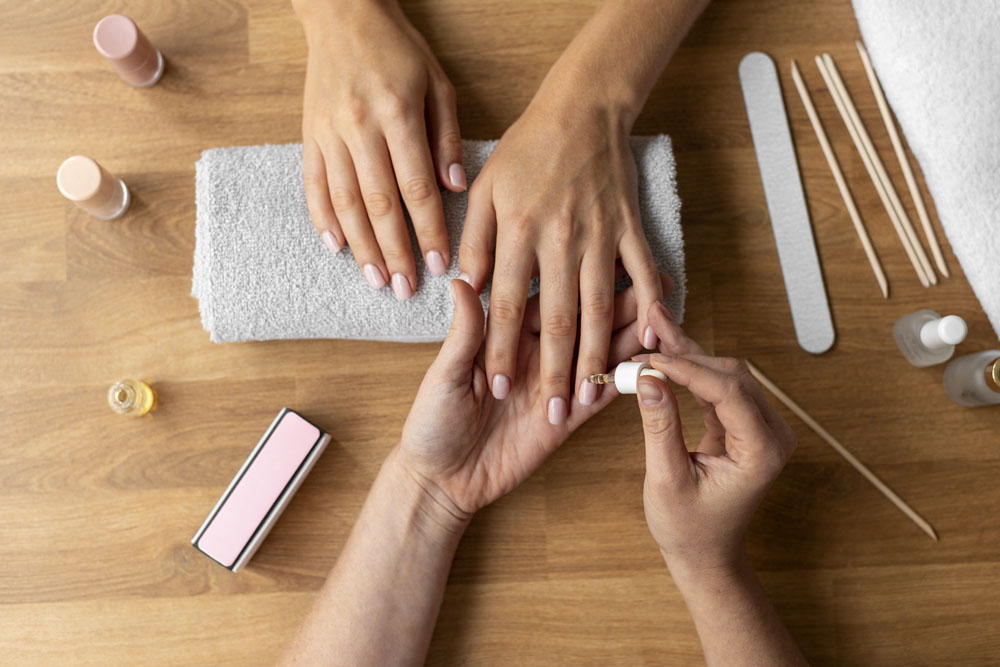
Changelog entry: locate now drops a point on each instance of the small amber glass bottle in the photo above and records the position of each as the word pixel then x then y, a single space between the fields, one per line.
pixel 131 397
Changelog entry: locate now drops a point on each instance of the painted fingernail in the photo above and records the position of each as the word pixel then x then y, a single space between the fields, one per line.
pixel 649 393
pixel 401 287
pixel 649 339
pixel 456 174
pixel 587 393
pixel 435 262
pixel 557 410
pixel 465 276
pixel 374 276
pixel 666 310
pixel 501 386
pixel 331 242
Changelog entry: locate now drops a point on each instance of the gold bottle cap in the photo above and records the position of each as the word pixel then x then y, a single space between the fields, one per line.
pixel 993 375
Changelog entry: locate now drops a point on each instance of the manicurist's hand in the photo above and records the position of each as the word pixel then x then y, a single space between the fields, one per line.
pixel 698 504
pixel 465 447
pixel 558 196
pixel 379 131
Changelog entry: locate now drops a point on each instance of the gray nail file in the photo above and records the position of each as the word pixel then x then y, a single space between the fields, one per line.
pixel 786 203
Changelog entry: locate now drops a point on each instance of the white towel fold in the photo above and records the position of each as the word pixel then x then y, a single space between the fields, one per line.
pixel 261 272
pixel 938 64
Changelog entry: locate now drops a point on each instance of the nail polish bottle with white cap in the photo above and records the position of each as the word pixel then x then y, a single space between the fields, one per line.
pixel 925 338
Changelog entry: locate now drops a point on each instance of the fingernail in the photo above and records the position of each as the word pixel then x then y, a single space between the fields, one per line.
pixel 649 340
pixel 465 276
pixel 663 358
pixel 457 175
pixel 435 262
pixel 501 386
pixel 331 242
pixel 649 393
pixel 374 276
pixel 587 393
pixel 557 410
pixel 401 287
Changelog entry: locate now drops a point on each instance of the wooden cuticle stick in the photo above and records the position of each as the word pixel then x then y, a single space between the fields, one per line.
pixel 866 159
pixel 840 449
pixel 904 164
pixel 890 189
pixel 838 176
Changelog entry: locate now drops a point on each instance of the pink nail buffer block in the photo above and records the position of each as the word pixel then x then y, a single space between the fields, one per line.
pixel 261 490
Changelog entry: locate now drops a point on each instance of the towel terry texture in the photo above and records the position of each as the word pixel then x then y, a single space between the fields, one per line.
pixel 938 64
pixel 262 273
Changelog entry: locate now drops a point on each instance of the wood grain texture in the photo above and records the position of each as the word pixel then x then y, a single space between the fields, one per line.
pixel 95 565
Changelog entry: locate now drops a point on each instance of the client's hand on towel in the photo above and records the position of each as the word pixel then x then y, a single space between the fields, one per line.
pixel 559 198
pixel 378 119
pixel 468 449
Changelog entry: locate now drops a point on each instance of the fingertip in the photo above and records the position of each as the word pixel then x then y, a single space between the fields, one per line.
pixel 456 177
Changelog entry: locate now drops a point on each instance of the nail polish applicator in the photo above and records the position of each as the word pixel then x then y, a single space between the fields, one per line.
pixel 626 376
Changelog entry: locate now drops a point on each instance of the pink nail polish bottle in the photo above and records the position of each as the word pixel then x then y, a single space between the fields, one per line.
pixel 136 60
pixel 89 185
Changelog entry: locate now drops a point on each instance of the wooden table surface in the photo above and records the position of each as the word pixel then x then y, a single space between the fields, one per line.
pixel 95 561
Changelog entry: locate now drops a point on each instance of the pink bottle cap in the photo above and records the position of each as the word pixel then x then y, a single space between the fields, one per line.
pixel 136 60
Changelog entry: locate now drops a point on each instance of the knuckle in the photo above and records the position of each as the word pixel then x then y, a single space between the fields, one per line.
pixel 559 325
pixel 450 143
pixel 342 199
pixel 592 361
pixel 418 189
pixel 506 311
pixel 556 379
pixel 520 232
pixel 395 107
pixel 355 110
pixel 732 367
pixel 378 204
pixel 600 305
pixel 562 231
pixel 395 256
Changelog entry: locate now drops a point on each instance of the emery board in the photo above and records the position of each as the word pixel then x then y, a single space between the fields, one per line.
pixel 786 203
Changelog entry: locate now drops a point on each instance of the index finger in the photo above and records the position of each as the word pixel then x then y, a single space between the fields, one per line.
pixel 747 434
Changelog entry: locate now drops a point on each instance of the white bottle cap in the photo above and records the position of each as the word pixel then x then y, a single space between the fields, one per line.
pixel 949 330
pixel 627 375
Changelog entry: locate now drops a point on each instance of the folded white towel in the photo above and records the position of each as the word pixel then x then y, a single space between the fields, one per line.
pixel 261 272
pixel 938 64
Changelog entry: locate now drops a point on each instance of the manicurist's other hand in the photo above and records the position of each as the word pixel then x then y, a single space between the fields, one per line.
pixel 379 132
pixel 698 504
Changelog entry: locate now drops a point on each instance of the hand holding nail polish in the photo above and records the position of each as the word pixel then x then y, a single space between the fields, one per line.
pixel 379 133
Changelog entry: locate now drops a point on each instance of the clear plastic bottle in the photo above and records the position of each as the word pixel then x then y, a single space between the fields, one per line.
pixel 925 338
pixel 131 397
pixel 973 380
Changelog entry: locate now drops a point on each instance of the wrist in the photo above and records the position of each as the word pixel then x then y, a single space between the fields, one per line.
pixel 570 92
pixel 321 16
pixel 693 573
pixel 423 505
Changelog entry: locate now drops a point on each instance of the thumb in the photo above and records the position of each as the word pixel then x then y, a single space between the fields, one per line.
pixel 466 334
pixel 667 457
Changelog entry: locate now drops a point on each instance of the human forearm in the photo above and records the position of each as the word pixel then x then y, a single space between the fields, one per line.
pixel 381 600
pixel 618 55
pixel 735 621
